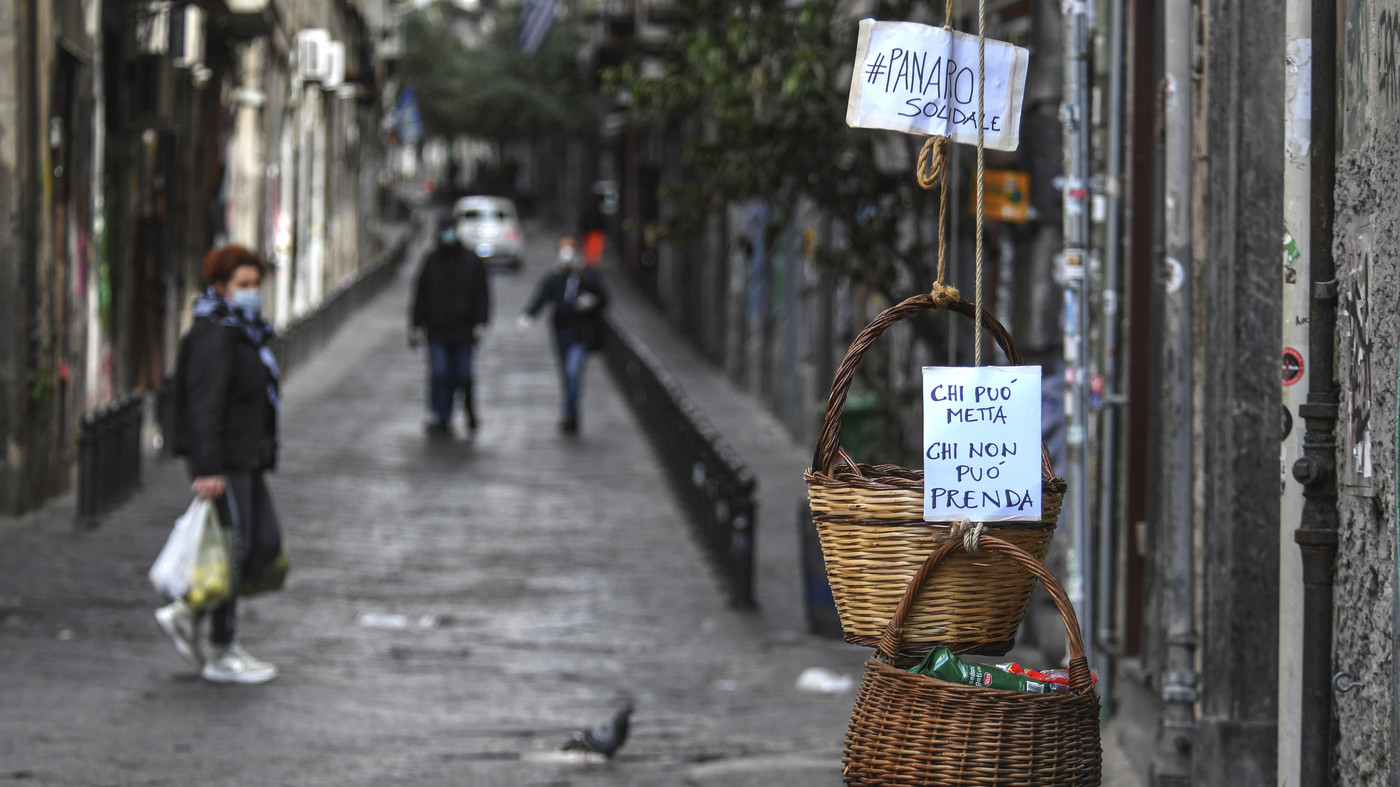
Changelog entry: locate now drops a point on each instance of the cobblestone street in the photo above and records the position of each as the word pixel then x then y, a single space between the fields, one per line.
pixel 456 607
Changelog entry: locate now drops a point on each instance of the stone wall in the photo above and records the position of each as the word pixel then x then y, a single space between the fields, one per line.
pixel 1368 340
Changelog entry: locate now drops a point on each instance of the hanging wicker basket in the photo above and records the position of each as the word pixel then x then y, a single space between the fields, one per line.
pixel 912 730
pixel 870 521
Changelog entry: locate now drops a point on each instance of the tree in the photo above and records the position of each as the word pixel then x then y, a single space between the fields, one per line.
pixel 761 86
pixel 496 92
pixel 767 82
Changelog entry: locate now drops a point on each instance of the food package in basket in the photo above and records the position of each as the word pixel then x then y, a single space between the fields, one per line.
pixel 870 522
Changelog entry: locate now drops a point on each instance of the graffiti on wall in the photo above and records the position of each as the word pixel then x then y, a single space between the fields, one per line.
pixel 1354 322
pixel 1370 68
pixel 1388 56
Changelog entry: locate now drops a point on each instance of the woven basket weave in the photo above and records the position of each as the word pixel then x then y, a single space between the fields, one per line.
pixel 916 731
pixel 870 520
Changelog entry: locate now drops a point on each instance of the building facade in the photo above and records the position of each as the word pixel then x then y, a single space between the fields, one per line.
pixel 142 133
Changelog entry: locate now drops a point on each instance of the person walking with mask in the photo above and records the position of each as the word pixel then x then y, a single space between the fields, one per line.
pixel 577 296
pixel 226 407
pixel 452 305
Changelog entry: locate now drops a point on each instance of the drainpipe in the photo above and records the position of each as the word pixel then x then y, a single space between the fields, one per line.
pixel 1316 470
pixel 1075 116
pixel 1108 425
pixel 1172 764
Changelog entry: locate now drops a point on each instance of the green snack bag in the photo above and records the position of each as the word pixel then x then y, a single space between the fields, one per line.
pixel 940 663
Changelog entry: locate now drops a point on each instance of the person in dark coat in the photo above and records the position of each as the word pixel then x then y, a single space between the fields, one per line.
pixel 577 296
pixel 452 305
pixel 226 404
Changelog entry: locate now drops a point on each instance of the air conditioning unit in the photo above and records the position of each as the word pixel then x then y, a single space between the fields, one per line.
pixel 313 54
pixel 188 43
pixel 335 66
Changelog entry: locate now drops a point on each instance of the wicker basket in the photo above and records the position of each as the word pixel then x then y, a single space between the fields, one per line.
pixel 917 731
pixel 870 520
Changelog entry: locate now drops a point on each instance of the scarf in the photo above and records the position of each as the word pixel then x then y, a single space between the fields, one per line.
pixel 214 308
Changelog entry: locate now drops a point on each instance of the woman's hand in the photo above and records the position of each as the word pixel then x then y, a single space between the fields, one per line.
pixel 209 487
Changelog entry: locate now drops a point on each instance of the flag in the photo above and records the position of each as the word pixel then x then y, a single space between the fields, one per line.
pixel 535 19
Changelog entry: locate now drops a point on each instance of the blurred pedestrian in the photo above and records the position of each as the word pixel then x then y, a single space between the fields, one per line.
pixel 577 295
pixel 226 407
pixel 452 305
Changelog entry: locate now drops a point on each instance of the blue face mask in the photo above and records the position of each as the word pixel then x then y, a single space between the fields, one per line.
pixel 248 300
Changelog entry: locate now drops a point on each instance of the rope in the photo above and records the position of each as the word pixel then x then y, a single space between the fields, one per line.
pixel 943 294
pixel 932 169
pixel 970 532
pixel 981 171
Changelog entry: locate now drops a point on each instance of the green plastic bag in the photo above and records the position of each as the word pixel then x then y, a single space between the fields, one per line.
pixel 271 578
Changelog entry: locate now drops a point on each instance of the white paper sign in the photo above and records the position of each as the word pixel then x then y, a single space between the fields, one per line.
pixel 923 80
pixel 981 443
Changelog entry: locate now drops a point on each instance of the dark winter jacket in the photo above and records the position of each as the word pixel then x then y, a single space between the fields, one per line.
pixel 561 289
pixel 225 416
pixel 453 295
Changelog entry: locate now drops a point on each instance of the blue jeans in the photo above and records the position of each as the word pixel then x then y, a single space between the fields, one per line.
pixel 572 353
pixel 451 367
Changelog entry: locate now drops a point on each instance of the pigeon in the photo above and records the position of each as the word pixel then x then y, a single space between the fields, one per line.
pixel 605 738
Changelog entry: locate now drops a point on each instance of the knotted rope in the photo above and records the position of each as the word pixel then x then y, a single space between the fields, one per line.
pixel 943 294
pixel 970 532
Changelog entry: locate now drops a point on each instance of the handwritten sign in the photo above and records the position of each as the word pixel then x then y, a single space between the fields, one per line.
pixel 981 443
pixel 923 80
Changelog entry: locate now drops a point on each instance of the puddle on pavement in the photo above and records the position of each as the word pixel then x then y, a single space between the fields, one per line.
pixel 396 622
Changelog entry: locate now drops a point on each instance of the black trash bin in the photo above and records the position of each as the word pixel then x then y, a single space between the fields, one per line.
pixel 816 591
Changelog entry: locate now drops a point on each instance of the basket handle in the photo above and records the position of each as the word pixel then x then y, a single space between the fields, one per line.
pixel 892 639
pixel 829 449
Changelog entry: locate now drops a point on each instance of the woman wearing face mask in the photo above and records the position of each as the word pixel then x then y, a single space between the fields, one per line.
pixel 226 403
pixel 577 295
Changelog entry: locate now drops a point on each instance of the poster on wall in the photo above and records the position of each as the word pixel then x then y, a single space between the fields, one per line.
pixel 1354 323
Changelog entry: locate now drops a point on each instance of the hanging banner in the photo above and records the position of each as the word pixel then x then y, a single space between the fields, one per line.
pixel 982 443
pixel 408 119
pixel 535 19
pixel 923 80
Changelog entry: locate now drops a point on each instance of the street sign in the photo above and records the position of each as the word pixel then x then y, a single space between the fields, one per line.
pixel 408 119
pixel 1006 196
pixel 924 80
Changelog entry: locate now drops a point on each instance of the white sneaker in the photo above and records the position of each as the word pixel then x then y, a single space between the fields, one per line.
pixel 248 658
pixel 177 620
pixel 233 665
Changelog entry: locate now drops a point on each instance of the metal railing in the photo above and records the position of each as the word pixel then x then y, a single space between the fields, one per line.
pixel 713 484
pixel 303 338
pixel 109 454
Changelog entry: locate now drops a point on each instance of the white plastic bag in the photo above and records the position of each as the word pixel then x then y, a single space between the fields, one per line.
pixel 193 564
